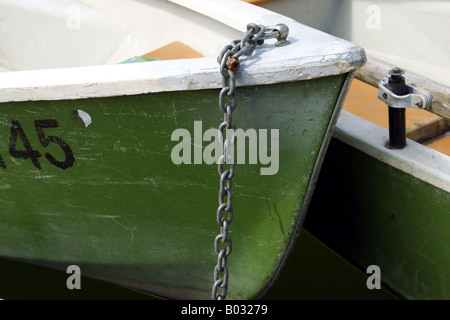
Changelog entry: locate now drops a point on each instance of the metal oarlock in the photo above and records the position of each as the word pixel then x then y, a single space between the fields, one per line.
pixel 399 95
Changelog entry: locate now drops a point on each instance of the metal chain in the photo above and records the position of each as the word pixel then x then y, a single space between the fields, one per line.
pixel 229 63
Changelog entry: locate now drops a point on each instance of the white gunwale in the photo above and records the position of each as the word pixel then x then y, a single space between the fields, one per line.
pixel 311 54
pixel 415 159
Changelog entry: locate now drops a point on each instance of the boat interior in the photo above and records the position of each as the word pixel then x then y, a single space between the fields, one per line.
pixel 43 34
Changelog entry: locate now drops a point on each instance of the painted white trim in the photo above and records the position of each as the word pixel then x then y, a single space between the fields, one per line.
pixel 415 159
pixel 311 54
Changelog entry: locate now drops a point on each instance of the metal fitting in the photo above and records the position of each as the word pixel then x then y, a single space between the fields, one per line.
pixel 413 97
pixel 396 72
pixel 398 95
pixel 232 64
pixel 280 32
pixel 284 32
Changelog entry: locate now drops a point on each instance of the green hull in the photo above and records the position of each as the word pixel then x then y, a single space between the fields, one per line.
pixel 378 215
pixel 122 211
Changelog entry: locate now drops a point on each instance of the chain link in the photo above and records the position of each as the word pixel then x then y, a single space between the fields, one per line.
pixel 229 62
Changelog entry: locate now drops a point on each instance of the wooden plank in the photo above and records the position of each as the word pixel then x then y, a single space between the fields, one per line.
pixel 441 143
pixel 428 129
pixel 174 50
pixel 376 69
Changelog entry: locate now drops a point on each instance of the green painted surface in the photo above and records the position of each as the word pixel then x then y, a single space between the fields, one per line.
pixel 375 214
pixel 124 212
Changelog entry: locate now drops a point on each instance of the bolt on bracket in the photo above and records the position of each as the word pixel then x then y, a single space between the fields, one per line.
pixel 416 98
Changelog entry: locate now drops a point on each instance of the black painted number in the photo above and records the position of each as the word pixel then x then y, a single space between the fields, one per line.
pixel 17 132
pixel 45 141
pixel 27 152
